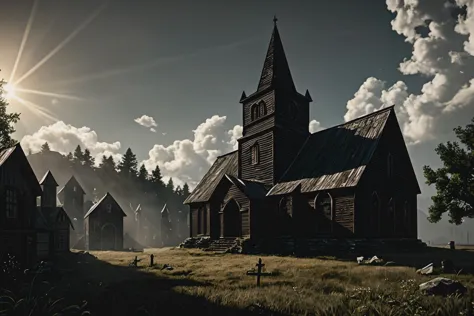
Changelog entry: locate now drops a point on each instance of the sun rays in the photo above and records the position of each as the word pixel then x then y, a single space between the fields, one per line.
pixel 12 90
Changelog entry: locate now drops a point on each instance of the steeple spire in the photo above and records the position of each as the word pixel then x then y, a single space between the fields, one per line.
pixel 276 71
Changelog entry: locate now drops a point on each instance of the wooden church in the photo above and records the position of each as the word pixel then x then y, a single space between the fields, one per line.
pixel 353 180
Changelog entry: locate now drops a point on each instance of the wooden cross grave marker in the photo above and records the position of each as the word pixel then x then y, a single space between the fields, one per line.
pixel 259 272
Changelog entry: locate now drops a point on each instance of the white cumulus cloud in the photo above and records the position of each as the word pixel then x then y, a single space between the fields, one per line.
pixel 188 160
pixel 147 121
pixel 64 138
pixel 315 126
pixel 444 55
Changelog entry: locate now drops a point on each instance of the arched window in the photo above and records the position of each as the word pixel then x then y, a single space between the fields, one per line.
pixel 323 204
pixel 407 215
pixel 255 112
pixel 262 109
pixel 390 165
pixel 255 150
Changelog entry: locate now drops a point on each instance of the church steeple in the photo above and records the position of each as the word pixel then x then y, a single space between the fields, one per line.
pixel 276 71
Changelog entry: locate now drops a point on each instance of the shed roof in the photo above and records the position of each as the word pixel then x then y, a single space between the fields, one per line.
pixel 108 197
pixel 48 179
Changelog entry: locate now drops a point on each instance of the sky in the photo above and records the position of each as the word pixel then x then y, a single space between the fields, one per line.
pixel 165 77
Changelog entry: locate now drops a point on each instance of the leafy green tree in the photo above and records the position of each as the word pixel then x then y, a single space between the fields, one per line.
pixel 45 148
pixel 7 121
pixel 128 165
pixel 454 181
pixel 142 174
pixel 87 159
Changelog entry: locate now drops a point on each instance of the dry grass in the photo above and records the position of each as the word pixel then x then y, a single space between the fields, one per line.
pixel 299 287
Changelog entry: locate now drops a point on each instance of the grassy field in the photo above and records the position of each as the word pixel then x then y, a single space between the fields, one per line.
pixel 206 283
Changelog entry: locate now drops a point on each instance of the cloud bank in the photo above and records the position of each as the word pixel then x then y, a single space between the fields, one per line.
pixel 442 37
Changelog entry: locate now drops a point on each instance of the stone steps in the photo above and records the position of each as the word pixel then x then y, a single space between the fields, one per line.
pixel 223 244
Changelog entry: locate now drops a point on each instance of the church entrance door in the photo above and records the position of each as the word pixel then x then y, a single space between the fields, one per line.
pixel 232 219
pixel 107 237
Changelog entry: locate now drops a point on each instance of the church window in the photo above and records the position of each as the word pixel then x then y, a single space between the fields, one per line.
pixel 262 109
pixel 38 201
pixel 11 200
pixel 258 110
pixel 255 113
pixel 74 189
pixel 109 208
pixel 323 204
pixel 390 165
pixel 255 150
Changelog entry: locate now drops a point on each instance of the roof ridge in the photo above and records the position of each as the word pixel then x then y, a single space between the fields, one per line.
pixel 388 108
pixel 232 152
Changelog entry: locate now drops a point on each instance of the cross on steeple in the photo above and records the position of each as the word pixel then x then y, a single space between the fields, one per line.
pixel 275 20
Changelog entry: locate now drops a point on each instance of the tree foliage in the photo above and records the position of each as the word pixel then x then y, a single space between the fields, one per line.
pixel 454 181
pixel 128 165
pixel 7 121
pixel 45 147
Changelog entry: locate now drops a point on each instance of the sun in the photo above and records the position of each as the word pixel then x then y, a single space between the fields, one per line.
pixel 9 91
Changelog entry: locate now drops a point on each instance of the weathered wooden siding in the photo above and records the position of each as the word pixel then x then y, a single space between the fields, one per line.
pixel 401 186
pixel 263 124
pixel 263 171
pixel 236 194
pixel 268 98
pixel 26 214
pixel 98 219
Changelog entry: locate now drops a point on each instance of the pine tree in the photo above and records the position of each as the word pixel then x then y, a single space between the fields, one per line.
pixel 87 159
pixel 108 165
pixel 178 191
pixel 186 190
pixel 170 185
pixel 78 155
pixel 128 165
pixel 45 148
pixel 143 174
pixel 70 157
pixel 7 121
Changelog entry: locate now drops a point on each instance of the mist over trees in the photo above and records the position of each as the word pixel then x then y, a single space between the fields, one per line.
pixel 129 183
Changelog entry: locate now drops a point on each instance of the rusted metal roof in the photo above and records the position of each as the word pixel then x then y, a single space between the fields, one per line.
pixel 226 164
pixel 335 157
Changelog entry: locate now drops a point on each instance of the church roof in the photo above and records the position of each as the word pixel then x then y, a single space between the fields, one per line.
pixel 335 157
pixel 332 158
pixel 276 70
pixel 226 164
pixel 107 196
pixel 48 179
pixel 252 189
